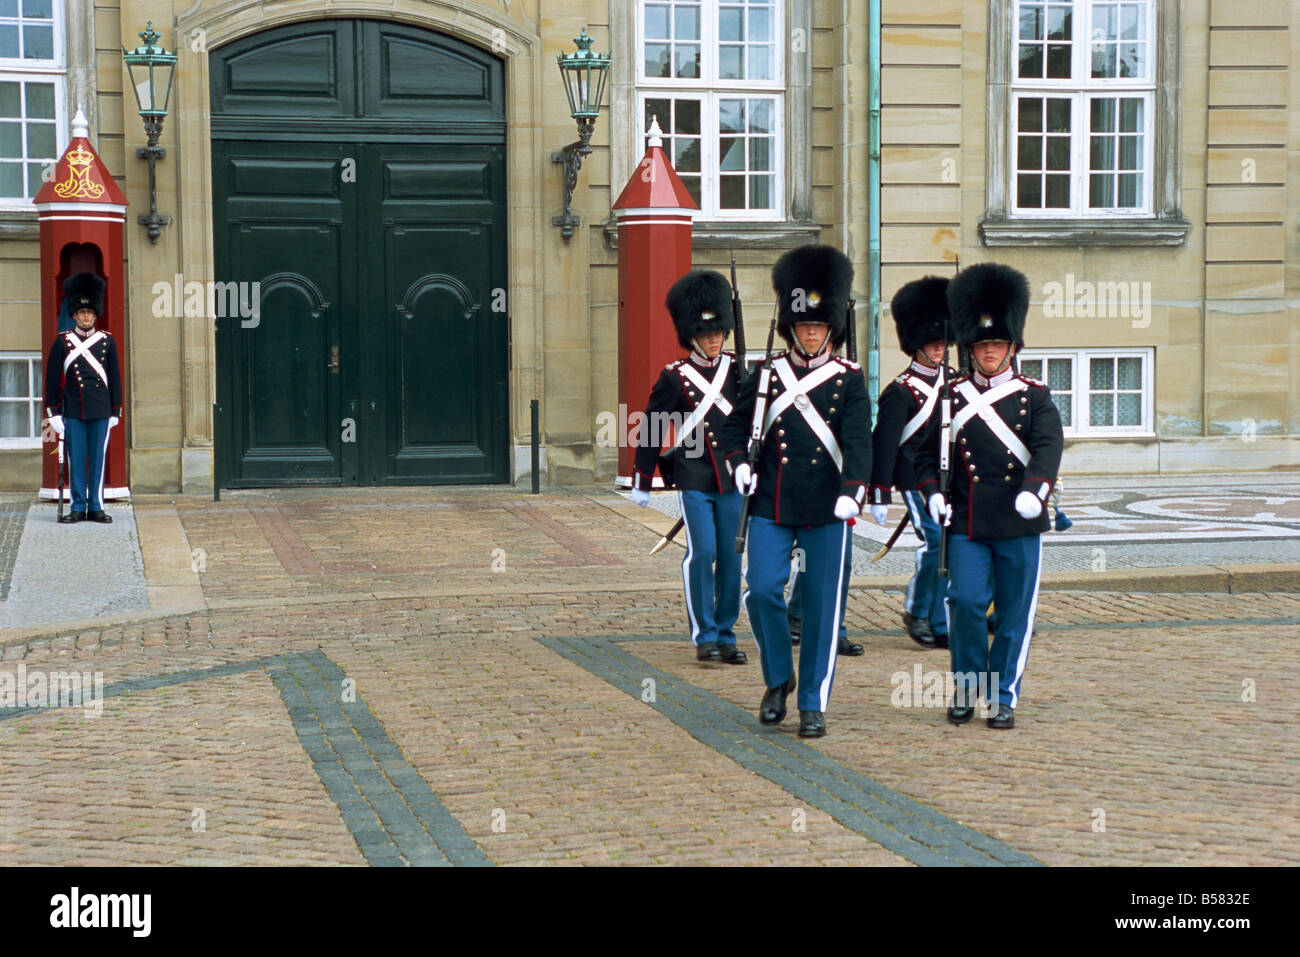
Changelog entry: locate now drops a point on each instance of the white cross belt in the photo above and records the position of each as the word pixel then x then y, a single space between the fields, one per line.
pixel 712 395
pixel 794 388
pixel 82 348
pixel 931 393
pixel 981 404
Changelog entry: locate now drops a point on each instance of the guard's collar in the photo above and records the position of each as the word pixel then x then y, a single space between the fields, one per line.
pixel 704 363
pixel 984 382
pixel 820 359
pixel 922 369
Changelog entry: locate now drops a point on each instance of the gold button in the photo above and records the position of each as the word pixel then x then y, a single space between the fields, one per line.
pixel 975 478
pixel 1019 425
pixel 784 460
pixel 1010 466
pixel 1022 411
pixel 778 419
pixel 835 395
pixel 813 462
pixel 963 441
pixel 1023 400
pixel 967 454
pixel 832 410
pixel 780 431
pixel 784 445
pixel 714 444
pixel 710 434
pixel 819 448
pixel 839 381
pixel 1006 478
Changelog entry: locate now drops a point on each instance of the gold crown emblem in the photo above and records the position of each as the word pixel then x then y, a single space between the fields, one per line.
pixel 814 299
pixel 80 157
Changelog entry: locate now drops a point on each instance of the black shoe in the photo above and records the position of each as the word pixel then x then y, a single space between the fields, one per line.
pixel 102 517
pixel 732 655
pixel 1005 718
pixel 707 651
pixel 72 517
pixel 812 724
pixel 848 647
pixel 918 629
pixel 941 641
pixel 796 629
pixel 960 715
pixel 772 709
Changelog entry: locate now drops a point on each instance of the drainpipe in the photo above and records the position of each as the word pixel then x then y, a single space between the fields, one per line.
pixel 873 204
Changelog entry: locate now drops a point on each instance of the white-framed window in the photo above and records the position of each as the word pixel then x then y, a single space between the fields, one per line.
pixel 1098 392
pixel 1082 108
pixel 32 69
pixel 21 395
pixel 712 73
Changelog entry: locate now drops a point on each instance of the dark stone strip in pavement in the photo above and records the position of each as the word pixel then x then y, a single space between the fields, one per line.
pixel 895 821
pixel 13 517
pixel 145 684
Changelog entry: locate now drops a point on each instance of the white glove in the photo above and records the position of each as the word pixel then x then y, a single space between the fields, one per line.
pixel 880 513
pixel 56 423
pixel 641 497
pixel 112 421
pixel 1029 505
pixel 746 480
pixel 940 510
pixel 845 508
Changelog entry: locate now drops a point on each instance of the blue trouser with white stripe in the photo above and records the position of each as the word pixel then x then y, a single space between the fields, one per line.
pixel 712 596
pixel 794 604
pixel 764 598
pixel 925 594
pixel 1005 570
pixel 85 443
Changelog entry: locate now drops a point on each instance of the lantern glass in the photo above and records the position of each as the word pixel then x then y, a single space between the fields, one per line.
pixel 151 68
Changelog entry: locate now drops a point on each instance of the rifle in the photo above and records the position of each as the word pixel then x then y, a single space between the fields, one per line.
pixel 59 466
pixel 851 339
pixel 947 443
pixel 755 449
pixel 742 367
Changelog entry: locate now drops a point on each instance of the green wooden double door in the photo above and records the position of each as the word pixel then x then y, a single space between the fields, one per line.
pixel 377 348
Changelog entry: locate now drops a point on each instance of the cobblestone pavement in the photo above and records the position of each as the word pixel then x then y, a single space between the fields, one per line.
pixel 474 676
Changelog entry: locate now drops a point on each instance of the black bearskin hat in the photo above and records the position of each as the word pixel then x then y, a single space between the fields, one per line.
pixel 989 301
pixel 700 302
pixel 85 290
pixel 920 310
pixel 813 284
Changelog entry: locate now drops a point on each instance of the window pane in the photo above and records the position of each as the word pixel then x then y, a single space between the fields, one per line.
pixel 730 24
pixel 40 101
pixel 1060 377
pixel 686 155
pixel 1029 191
pixel 8 40
pixel 688 60
pixel 9 102
pixel 760 25
pixel 1101 191
pixel 1103 60
pixel 1058 24
pixel 1101 373
pixel 1031 61
pixel 8 8
pixel 760 63
pixel 732 189
pixel 1130 190
pixel 1128 410
pixel 38 42
pixel 1058 192
pixel 692 184
pixel 1030 118
pixel 1130 115
pixel 13 378
pixel 658 109
pixel 1058 116
pixel 688 117
pixel 1131 60
pixel 760 192
pixel 1130 21
pixel 729 63
pixel 1065 406
pixel 37 9
pixel 760 116
pixel 1102 112
pixel 1031 23
pixel 1130 374
pixel 656 59
pixel 1101 409
pixel 1029 152
pixel 1129 151
pixel 731 116
pixel 1058 152
pixel 760 153
pixel 656 22
pixel 1104 24
pixel 1058 61
pixel 11 140
pixel 1102 154
pixel 731 153
pixel 34 181
pixel 1032 368
pixel 15 420
pixel 40 141
pixel 687 20
pixel 11 181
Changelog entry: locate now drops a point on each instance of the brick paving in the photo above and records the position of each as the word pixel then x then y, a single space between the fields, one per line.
pixel 479 627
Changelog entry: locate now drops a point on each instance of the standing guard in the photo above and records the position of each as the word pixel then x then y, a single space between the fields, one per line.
pixel 920 311
pixel 83 395
pixel 697 394
pixel 1006 445
pixel 809 416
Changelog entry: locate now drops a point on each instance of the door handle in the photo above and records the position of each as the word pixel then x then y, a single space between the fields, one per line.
pixel 333 364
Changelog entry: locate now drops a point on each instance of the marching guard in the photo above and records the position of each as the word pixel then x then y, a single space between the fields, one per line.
pixel 799 445
pixel 83 395
pixel 920 311
pixel 1006 445
pixel 699 392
